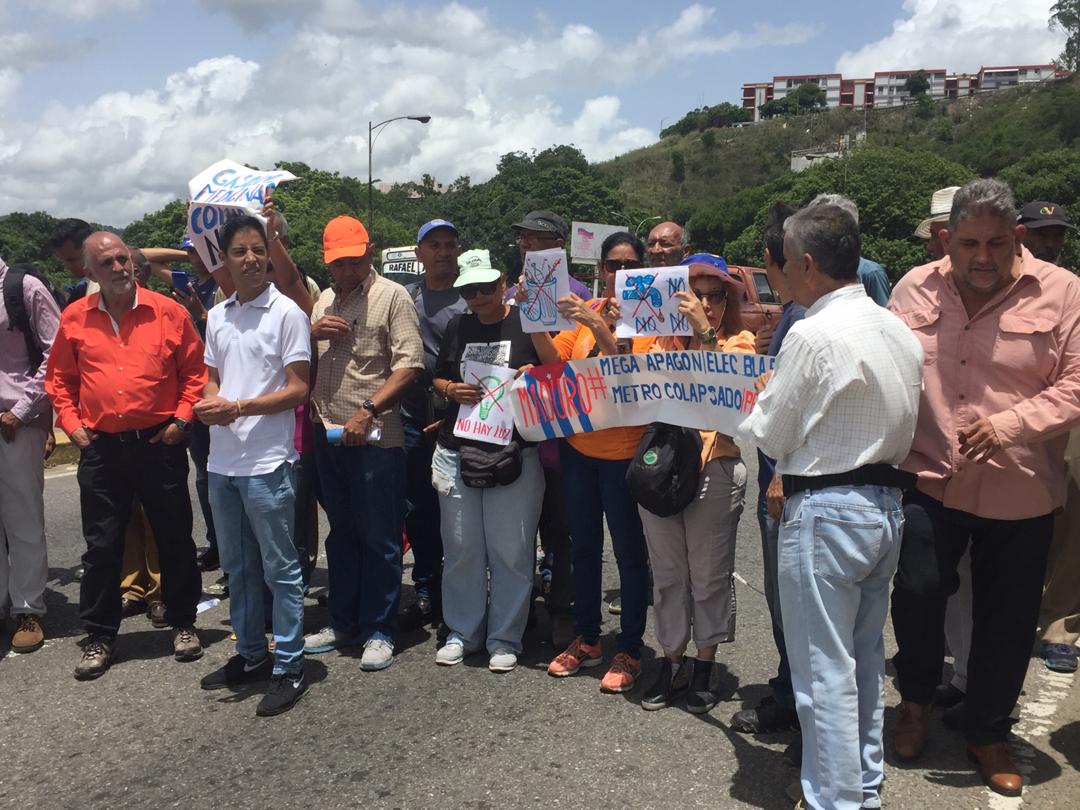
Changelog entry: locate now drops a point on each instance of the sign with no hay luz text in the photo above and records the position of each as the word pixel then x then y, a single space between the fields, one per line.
pixel 491 419
pixel 220 193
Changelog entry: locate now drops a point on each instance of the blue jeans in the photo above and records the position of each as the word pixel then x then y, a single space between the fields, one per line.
pixel 364 498
pixel 595 488
pixel 254 517
pixel 838 551
pixel 770 538
pixel 422 513
pixel 488 530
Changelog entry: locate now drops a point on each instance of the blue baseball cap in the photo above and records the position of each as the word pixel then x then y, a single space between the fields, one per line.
pixel 709 264
pixel 428 227
pixel 187 243
pixel 711 259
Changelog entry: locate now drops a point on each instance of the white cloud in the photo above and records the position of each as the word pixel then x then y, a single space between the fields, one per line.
pixel 960 36
pixel 489 91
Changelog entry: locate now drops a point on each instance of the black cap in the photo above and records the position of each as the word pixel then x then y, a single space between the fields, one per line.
pixel 1041 214
pixel 544 221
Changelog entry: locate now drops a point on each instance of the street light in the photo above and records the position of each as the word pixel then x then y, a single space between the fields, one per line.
pixel 372 129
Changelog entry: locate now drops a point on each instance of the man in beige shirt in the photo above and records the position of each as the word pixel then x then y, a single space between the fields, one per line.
pixel 368 352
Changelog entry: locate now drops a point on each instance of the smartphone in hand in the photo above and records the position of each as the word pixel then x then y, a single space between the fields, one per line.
pixel 181 281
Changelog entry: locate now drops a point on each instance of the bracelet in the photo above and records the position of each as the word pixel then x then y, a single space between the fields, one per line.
pixel 239 410
pixel 446 390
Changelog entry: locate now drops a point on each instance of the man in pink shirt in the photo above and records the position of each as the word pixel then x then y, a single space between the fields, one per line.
pixel 1000 331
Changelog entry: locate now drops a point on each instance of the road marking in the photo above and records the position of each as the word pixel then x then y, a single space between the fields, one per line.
pixel 62 472
pixel 1038 717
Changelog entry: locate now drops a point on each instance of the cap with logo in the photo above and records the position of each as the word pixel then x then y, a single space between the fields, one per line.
pixel 940 208
pixel 475 266
pixel 1043 214
pixel 344 237
pixel 544 222
pixel 428 227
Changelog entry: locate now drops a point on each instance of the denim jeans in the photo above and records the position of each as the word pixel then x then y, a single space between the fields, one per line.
pixel 364 498
pixel 838 551
pixel 595 488
pixel 770 539
pixel 422 512
pixel 254 515
pixel 488 530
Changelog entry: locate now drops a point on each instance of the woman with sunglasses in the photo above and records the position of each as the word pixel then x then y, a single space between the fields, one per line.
pixel 693 553
pixel 490 529
pixel 594 481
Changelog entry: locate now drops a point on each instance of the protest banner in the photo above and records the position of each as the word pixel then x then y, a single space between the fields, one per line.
pixel 586 239
pixel 220 193
pixel 647 303
pixel 695 389
pixel 491 419
pixel 545 275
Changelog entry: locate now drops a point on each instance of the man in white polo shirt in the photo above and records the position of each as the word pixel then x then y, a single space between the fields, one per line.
pixel 258 352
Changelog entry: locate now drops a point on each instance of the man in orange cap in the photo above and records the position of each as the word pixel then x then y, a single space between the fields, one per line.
pixel 369 352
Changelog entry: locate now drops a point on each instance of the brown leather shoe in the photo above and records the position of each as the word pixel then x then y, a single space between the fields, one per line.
pixel 912 728
pixel 157 615
pixel 997 768
pixel 28 635
pixel 186 646
pixel 96 658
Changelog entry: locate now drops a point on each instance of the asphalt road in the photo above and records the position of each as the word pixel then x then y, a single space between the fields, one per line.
pixel 421 736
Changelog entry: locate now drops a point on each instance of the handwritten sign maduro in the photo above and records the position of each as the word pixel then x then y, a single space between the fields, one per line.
pixel 491 419
pixel 220 193
pixel 704 390
pixel 647 305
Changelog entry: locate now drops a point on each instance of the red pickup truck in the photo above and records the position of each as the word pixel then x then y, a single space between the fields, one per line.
pixel 761 306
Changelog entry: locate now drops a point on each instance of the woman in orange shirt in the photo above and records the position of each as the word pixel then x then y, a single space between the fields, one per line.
pixel 693 552
pixel 594 483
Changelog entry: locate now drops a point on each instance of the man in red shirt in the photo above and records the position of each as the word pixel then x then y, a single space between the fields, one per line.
pixel 125 370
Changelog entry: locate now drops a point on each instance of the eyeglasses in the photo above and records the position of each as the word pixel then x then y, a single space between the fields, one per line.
pixel 470 291
pixel 614 265
pixel 537 238
pixel 712 297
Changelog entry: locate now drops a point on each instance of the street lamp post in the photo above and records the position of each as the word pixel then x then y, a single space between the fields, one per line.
pixel 372 130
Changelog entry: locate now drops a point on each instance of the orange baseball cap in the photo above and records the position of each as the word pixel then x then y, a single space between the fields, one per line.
pixel 344 237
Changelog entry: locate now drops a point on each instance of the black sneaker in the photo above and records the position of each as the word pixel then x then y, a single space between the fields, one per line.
pixel 419 614
pixel 236 672
pixel 284 692
pixel 767 718
pixel 701 697
pixel 208 559
pixel 666 688
pixel 946 695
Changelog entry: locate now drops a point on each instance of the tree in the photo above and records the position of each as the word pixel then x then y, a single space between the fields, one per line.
pixel 918 84
pixel 1065 16
pixel 806 96
pixel 678 166
pixel 703 118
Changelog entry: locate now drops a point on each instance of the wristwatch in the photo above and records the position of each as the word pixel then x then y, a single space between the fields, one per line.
pixel 183 424
pixel 370 406
pixel 708 336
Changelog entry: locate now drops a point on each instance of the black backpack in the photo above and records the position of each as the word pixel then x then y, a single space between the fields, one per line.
pixel 18 317
pixel 664 473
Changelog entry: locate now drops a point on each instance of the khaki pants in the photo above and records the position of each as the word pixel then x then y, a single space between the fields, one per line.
pixel 1059 618
pixel 141 576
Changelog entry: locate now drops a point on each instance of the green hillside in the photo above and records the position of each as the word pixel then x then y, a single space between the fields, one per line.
pixel 717 181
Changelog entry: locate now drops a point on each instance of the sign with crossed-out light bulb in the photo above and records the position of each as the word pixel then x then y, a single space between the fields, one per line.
pixel 491 419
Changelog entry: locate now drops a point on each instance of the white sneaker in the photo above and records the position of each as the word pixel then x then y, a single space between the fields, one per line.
pixel 452 652
pixel 378 654
pixel 502 660
pixel 326 640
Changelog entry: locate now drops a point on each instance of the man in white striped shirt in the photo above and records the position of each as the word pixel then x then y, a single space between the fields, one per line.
pixel 837 414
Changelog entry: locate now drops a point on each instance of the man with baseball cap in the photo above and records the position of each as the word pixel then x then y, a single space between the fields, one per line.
pixel 931 227
pixel 543 230
pixel 437 303
pixel 369 352
pixel 1046 225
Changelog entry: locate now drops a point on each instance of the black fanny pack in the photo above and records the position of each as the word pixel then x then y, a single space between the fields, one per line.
pixel 484 469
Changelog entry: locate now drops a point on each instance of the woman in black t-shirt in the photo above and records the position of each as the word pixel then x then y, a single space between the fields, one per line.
pixel 485 529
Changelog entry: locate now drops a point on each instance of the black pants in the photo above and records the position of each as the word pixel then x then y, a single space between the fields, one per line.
pixel 199 445
pixel 555 538
pixel 1008 562
pixel 111 473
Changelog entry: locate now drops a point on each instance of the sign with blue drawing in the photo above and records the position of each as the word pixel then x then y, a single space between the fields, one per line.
pixel 546 276
pixel 492 418
pixel 647 303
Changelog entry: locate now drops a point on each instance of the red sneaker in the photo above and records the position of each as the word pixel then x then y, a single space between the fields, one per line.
pixel 622 675
pixel 577 655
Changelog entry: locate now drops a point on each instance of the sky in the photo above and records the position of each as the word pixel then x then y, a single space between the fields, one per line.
pixel 108 107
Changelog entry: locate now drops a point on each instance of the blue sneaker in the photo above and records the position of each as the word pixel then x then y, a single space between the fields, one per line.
pixel 329 639
pixel 1059 657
